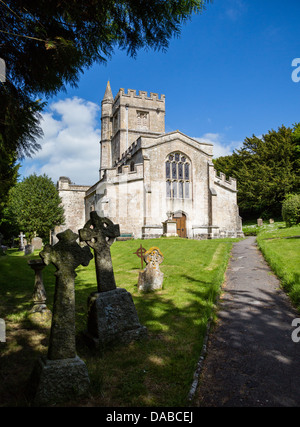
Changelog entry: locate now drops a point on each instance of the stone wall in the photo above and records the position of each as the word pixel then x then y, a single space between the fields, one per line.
pixel 73 200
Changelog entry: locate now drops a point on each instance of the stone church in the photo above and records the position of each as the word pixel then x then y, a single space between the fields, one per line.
pixel 152 183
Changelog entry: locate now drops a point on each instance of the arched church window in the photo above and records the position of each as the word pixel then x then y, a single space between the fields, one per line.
pixel 178 176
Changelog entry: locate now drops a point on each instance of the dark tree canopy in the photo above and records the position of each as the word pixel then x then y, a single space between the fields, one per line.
pixel 266 169
pixel 46 44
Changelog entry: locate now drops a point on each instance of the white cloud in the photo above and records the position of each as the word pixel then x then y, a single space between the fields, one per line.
pixel 220 147
pixel 70 146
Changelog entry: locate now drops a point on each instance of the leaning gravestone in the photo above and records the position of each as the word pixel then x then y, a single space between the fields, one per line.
pixel 62 374
pixel 112 316
pixel 151 278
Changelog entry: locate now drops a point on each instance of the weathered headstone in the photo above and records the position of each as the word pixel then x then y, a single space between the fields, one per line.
pixel 100 233
pixel 36 243
pixel 28 250
pixel 62 374
pixel 112 316
pixel 39 312
pixel 151 278
pixel 259 222
pixel 271 221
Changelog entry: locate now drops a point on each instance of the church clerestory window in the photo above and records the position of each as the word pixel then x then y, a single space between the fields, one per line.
pixel 178 179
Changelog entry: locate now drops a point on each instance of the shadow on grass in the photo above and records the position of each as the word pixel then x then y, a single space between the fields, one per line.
pixel 157 371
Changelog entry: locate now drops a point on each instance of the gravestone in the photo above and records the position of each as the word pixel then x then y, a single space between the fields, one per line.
pixel 39 312
pixel 28 250
pixel 151 278
pixel 21 241
pixel 62 374
pixel 259 222
pixel 140 253
pixel 271 221
pixel 37 243
pixel 112 316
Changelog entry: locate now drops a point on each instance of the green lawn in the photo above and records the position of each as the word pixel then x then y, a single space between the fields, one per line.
pixel 157 371
pixel 280 246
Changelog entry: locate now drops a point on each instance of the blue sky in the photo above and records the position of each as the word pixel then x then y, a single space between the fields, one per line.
pixel 227 77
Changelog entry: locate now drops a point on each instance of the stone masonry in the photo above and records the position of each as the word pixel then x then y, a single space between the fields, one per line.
pixel 148 176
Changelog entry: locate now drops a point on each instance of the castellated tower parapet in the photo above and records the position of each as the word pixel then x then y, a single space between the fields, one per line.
pixel 127 117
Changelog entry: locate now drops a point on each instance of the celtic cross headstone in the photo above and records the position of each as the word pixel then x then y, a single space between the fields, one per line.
pixel 100 233
pixel 112 316
pixel 140 253
pixel 62 374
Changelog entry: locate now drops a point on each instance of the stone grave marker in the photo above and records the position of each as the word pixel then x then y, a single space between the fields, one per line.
pixel 21 241
pixel 37 243
pixel 259 222
pixel 39 312
pixel 112 316
pixel 62 374
pixel 28 250
pixel 140 253
pixel 151 278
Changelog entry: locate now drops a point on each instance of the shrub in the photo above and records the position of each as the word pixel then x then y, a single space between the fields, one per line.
pixel 291 209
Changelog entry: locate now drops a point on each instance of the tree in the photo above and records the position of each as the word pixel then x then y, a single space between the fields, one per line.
pixel 35 206
pixel 46 44
pixel 266 169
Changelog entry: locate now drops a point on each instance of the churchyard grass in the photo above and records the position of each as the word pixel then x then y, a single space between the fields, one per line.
pixel 157 371
pixel 280 246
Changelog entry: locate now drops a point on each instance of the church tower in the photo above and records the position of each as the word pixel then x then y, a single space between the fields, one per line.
pixel 106 129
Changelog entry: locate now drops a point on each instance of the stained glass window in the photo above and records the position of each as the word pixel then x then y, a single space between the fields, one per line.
pixel 167 169
pixel 174 170
pixel 180 171
pixel 187 171
pixel 168 188
pixel 174 185
pixel 178 176
pixel 180 184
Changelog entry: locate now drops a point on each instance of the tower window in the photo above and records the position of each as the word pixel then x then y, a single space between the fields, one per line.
pixel 142 119
pixel 178 177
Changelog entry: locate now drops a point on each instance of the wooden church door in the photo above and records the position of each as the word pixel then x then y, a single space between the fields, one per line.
pixel 180 219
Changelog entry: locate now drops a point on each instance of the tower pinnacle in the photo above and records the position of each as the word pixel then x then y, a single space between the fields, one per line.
pixel 108 96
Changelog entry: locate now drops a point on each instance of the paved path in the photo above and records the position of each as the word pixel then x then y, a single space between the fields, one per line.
pixel 251 358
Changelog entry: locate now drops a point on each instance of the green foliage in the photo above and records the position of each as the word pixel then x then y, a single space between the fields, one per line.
pixel 35 206
pixel 291 209
pixel 281 249
pixel 266 169
pixel 47 43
